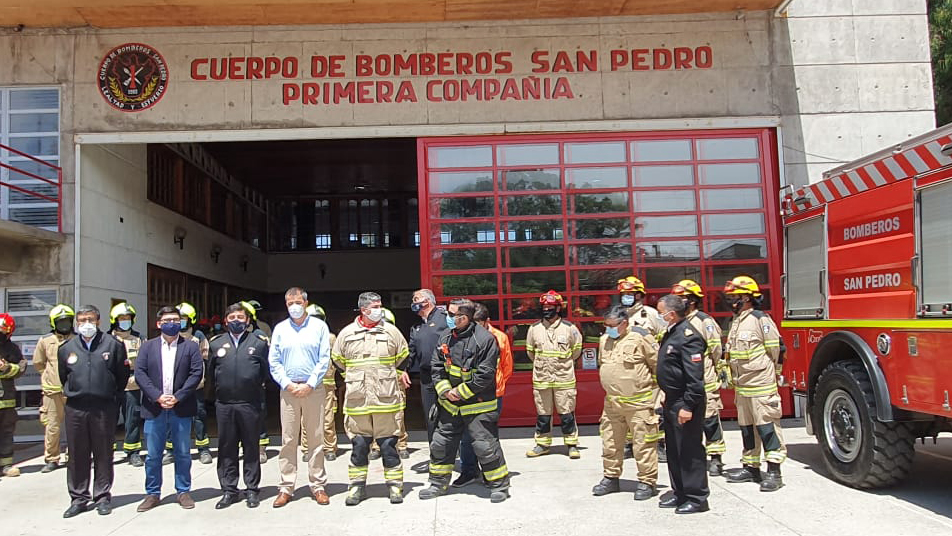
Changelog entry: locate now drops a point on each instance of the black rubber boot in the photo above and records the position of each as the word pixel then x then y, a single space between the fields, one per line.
pixel 715 466
pixel 746 473
pixel 772 480
pixel 606 486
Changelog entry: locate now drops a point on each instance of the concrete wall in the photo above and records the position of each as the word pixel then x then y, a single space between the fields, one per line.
pixel 121 232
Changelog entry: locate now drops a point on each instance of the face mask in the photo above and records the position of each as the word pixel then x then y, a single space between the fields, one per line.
pixel 375 315
pixel 549 314
pixel 171 328
pixel 3 337
pixel 450 321
pixel 237 326
pixel 217 327
pixel 736 304
pixel 612 332
pixel 296 310
pixel 183 325
pixel 64 327
pixel 417 307
pixel 125 325
pixel 87 329
pixel 627 300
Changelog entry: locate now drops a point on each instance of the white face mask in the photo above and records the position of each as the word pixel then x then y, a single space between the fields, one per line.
pixel 296 311
pixel 87 329
pixel 375 315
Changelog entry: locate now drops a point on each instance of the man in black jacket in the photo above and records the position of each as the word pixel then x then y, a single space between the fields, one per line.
pixel 681 377
pixel 237 366
pixel 422 343
pixel 92 368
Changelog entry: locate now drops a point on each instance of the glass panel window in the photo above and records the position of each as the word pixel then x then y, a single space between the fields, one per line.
pixel 733 224
pixel 532 205
pixel 665 276
pixel 602 228
pixel 536 256
pixel 36 145
pixel 462 207
pixel 533 231
pixel 805 263
pixel 662 175
pixel 660 150
pixel 729 173
pixel 726 272
pixel 465 259
pixel 738 248
pixel 664 201
pixel 732 198
pixel 727 149
pixel 600 203
pixel 582 178
pixel 536 282
pixel 600 304
pixel 522 309
pixel 469 285
pixel 594 153
pixel 936 244
pixel 665 226
pixel 34 99
pixel 592 254
pixel 465 233
pixel 601 279
pixel 461 182
pixel 668 251
pixel 520 155
pixel 460 157
pixel 531 179
pixel 34 122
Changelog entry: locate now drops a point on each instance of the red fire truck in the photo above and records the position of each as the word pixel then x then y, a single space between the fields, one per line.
pixel 868 307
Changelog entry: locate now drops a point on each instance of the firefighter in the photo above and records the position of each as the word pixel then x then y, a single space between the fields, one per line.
pixel 260 324
pixel 330 400
pixel 403 449
pixel 263 439
pixel 12 366
pixel 372 354
pixel 627 363
pixel 189 318
pixel 706 325
pixel 464 373
pixel 553 345
pixel 754 351
pixel 45 361
pixel 121 317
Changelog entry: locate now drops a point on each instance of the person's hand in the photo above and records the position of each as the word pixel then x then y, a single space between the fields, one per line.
pixel 405 379
pixel 293 388
pixel 453 396
pixel 303 390
pixel 684 416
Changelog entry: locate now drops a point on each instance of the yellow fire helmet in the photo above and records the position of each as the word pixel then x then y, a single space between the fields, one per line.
pixel 631 284
pixel 121 309
pixel 188 311
pixel 250 309
pixel 742 284
pixel 59 311
pixel 388 314
pixel 687 286
pixel 316 311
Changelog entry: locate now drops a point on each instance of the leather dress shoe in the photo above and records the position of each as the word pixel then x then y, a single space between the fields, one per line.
pixel 252 499
pixel 669 502
pixel 692 508
pixel 321 497
pixel 282 499
pixel 104 507
pixel 185 501
pixel 74 510
pixel 226 500
pixel 150 502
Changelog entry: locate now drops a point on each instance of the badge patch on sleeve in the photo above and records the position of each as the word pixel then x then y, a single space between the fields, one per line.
pixel 766 329
pixel 695 358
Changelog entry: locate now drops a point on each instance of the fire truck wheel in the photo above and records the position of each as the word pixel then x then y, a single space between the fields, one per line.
pixel 859 451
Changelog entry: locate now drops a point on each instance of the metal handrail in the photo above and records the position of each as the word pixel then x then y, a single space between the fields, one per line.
pixel 58 183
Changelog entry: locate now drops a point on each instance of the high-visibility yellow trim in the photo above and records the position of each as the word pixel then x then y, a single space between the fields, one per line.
pixel 11 403
pixel 168 445
pixel 886 324
pixel 756 391
pixel 132 446
pixel 637 398
pixel 543 441
pixel 329 380
pixel 717 447
pixel 202 442
pixel 496 474
pixel 654 437
pixel 12 372
pixel 712 387
pixel 442 387
pixel 554 385
pixel 51 388
pixel 264 441
pixel 748 354
pixel 775 456
pixel 368 410
pixel 464 391
pixel 440 469
pixel 393 474
pixel 6 461
pixel 357 473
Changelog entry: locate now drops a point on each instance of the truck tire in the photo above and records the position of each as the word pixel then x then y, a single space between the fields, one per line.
pixel 859 451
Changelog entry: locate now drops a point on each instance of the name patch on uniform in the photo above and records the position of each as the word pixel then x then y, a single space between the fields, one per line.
pixel 695 358
pixel 221 352
pixel 744 335
pixel 72 359
pixel 226 345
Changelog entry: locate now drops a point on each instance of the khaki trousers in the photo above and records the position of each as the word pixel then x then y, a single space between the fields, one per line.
pixel 52 415
pixel 759 420
pixel 298 413
pixel 330 422
pixel 616 422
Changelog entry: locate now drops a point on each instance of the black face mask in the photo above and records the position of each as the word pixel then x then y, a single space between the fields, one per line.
pixel 3 337
pixel 736 304
pixel 549 314
pixel 236 327
pixel 64 327
pixel 417 307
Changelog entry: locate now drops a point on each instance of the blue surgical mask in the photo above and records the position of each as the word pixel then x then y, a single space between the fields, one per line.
pixel 125 325
pixel 217 327
pixel 184 324
pixel 612 332
pixel 171 328
pixel 627 300
pixel 417 307
pixel 450 321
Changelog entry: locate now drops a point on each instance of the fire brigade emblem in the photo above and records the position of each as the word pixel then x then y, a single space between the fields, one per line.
pixel 883 343
pixel 133 77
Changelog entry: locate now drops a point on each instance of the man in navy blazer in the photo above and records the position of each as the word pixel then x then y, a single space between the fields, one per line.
pixel 168 370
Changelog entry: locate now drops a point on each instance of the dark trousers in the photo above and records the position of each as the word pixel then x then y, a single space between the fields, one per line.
pixel 238 423
pixel 468 463
pixel 428 394
pixel 90 432
pixel 132 420
pixel 484 429
pixel 263 439
pixel 8 424
pixel 687 459
pixel 198 423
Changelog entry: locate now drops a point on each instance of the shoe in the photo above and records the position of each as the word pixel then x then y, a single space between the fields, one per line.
pixel 10 471
pixel 49 467
pixel 396 494
pixel 643 492
pixel 772 481
pixel 104 507
pixel 150 502
pixel 205 456
pixel 606 486
pixel 226 500
pixel 134 459
pixel 746 473
pixel 304 457
pixel 329 456
pixel 464 479
pixel 692 508
pixel 629 451
pixel 404 454
pixel 662 452
pixel 715 467
pixel 74 510
pixel 282 499
pixel 374 455
pixel 432 492
pixel 321 497
pixel 499 495
pixel 251 499
pixel 185 501
pixel 167 458
pixel 668 501
pixel 574 454
pixel 263 455
pixel 355 494
pixel 537 451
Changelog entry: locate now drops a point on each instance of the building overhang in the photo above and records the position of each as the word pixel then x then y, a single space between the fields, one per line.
pixel 20 14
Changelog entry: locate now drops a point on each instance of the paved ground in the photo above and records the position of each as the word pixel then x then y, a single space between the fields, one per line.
pixel 550 496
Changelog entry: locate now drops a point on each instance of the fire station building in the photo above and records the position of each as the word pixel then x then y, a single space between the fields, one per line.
pixel 198 150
